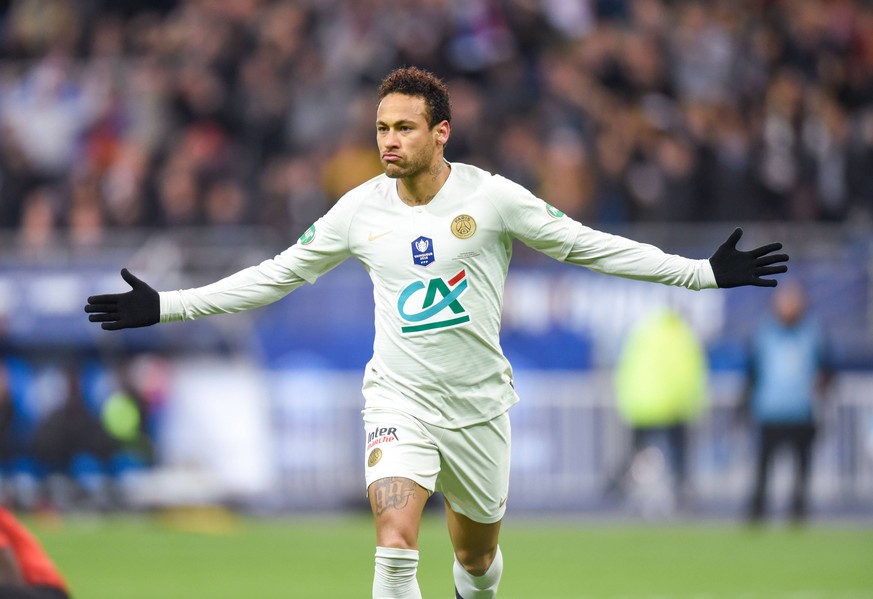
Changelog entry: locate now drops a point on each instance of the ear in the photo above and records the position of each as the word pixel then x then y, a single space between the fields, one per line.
pixel 442 131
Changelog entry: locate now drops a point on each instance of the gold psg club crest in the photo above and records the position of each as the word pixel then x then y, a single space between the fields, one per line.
pixel 463 227
pixel 374 458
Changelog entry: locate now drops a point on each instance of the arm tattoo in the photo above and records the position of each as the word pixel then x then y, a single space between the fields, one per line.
pixel 392 493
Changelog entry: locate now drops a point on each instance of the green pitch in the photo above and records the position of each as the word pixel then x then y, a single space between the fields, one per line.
pixel 215 556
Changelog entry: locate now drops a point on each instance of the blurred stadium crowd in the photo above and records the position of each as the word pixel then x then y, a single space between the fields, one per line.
pixel 120 114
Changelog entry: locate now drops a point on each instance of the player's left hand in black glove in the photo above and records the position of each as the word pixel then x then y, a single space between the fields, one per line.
pixel 139 307
pixel 733 268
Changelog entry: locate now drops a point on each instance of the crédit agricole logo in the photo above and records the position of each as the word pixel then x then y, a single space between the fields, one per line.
pixel 434 304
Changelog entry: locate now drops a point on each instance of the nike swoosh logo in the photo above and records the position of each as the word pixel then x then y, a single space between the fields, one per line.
pixel 372 237
pixel 502 501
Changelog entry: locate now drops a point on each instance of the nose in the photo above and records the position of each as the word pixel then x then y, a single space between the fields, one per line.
pixel 389 139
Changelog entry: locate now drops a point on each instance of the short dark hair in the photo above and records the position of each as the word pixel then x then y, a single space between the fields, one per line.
pixel 412 81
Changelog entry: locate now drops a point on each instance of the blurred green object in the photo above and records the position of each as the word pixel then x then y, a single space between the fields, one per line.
pixel 323 557
pixel 660 378
pixel 121 417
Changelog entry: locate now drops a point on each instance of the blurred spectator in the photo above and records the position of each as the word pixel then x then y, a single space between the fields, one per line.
pixel 354 158
pixel 293 197
pixel 41 26
pixel 760 110
pixel 48 110
pixel 701 53
pixel 126 416
pixel 613 156
pixel 566 174
pixel 827 140
pixel 660 385
pixel 788 375
pixel 73 445
pixel 725 176
pixel 86 216
pixel 179 194
pixel 18 420
pixel 39 219
pixel 226 203
pixel 7 434
pixel 84 430
pixel 780 158
pixel 860 173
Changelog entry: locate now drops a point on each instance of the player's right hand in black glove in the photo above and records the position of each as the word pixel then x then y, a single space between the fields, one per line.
pixel 733 268
pixel 139 307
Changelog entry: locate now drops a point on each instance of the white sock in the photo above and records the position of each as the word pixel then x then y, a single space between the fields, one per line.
pixel 395 574
pixel 479 587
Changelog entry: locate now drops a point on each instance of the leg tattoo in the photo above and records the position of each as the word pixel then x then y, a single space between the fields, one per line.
pixel 392 493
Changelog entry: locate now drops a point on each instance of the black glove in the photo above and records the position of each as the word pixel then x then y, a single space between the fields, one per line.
pixel 139 307
pixel 733 268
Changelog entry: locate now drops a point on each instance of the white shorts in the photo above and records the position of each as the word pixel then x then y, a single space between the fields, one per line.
pixel 469 466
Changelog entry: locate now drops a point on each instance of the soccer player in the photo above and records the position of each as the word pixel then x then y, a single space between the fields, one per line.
pixel 26 572
pixel 436 239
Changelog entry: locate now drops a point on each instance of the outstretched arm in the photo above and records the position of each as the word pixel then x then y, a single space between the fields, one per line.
pixel 728 266
pixel 734 268
pixel 548 230
pixel 324 246
pixel 143 306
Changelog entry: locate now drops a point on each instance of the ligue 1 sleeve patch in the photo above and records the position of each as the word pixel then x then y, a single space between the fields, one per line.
pixel 308 236
pixel 422 251
pixel 553 212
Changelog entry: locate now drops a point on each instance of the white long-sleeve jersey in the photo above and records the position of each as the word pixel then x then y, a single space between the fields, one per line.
pixel 438 272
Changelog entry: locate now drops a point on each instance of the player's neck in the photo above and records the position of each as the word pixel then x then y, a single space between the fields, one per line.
pixel 421 189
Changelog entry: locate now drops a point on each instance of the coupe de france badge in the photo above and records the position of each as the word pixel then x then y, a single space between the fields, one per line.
pixel 422 251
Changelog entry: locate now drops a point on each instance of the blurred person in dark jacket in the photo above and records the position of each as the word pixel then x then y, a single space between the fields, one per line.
pixel 72 437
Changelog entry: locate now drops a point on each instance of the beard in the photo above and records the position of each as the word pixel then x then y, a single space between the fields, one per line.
pixel 408 168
